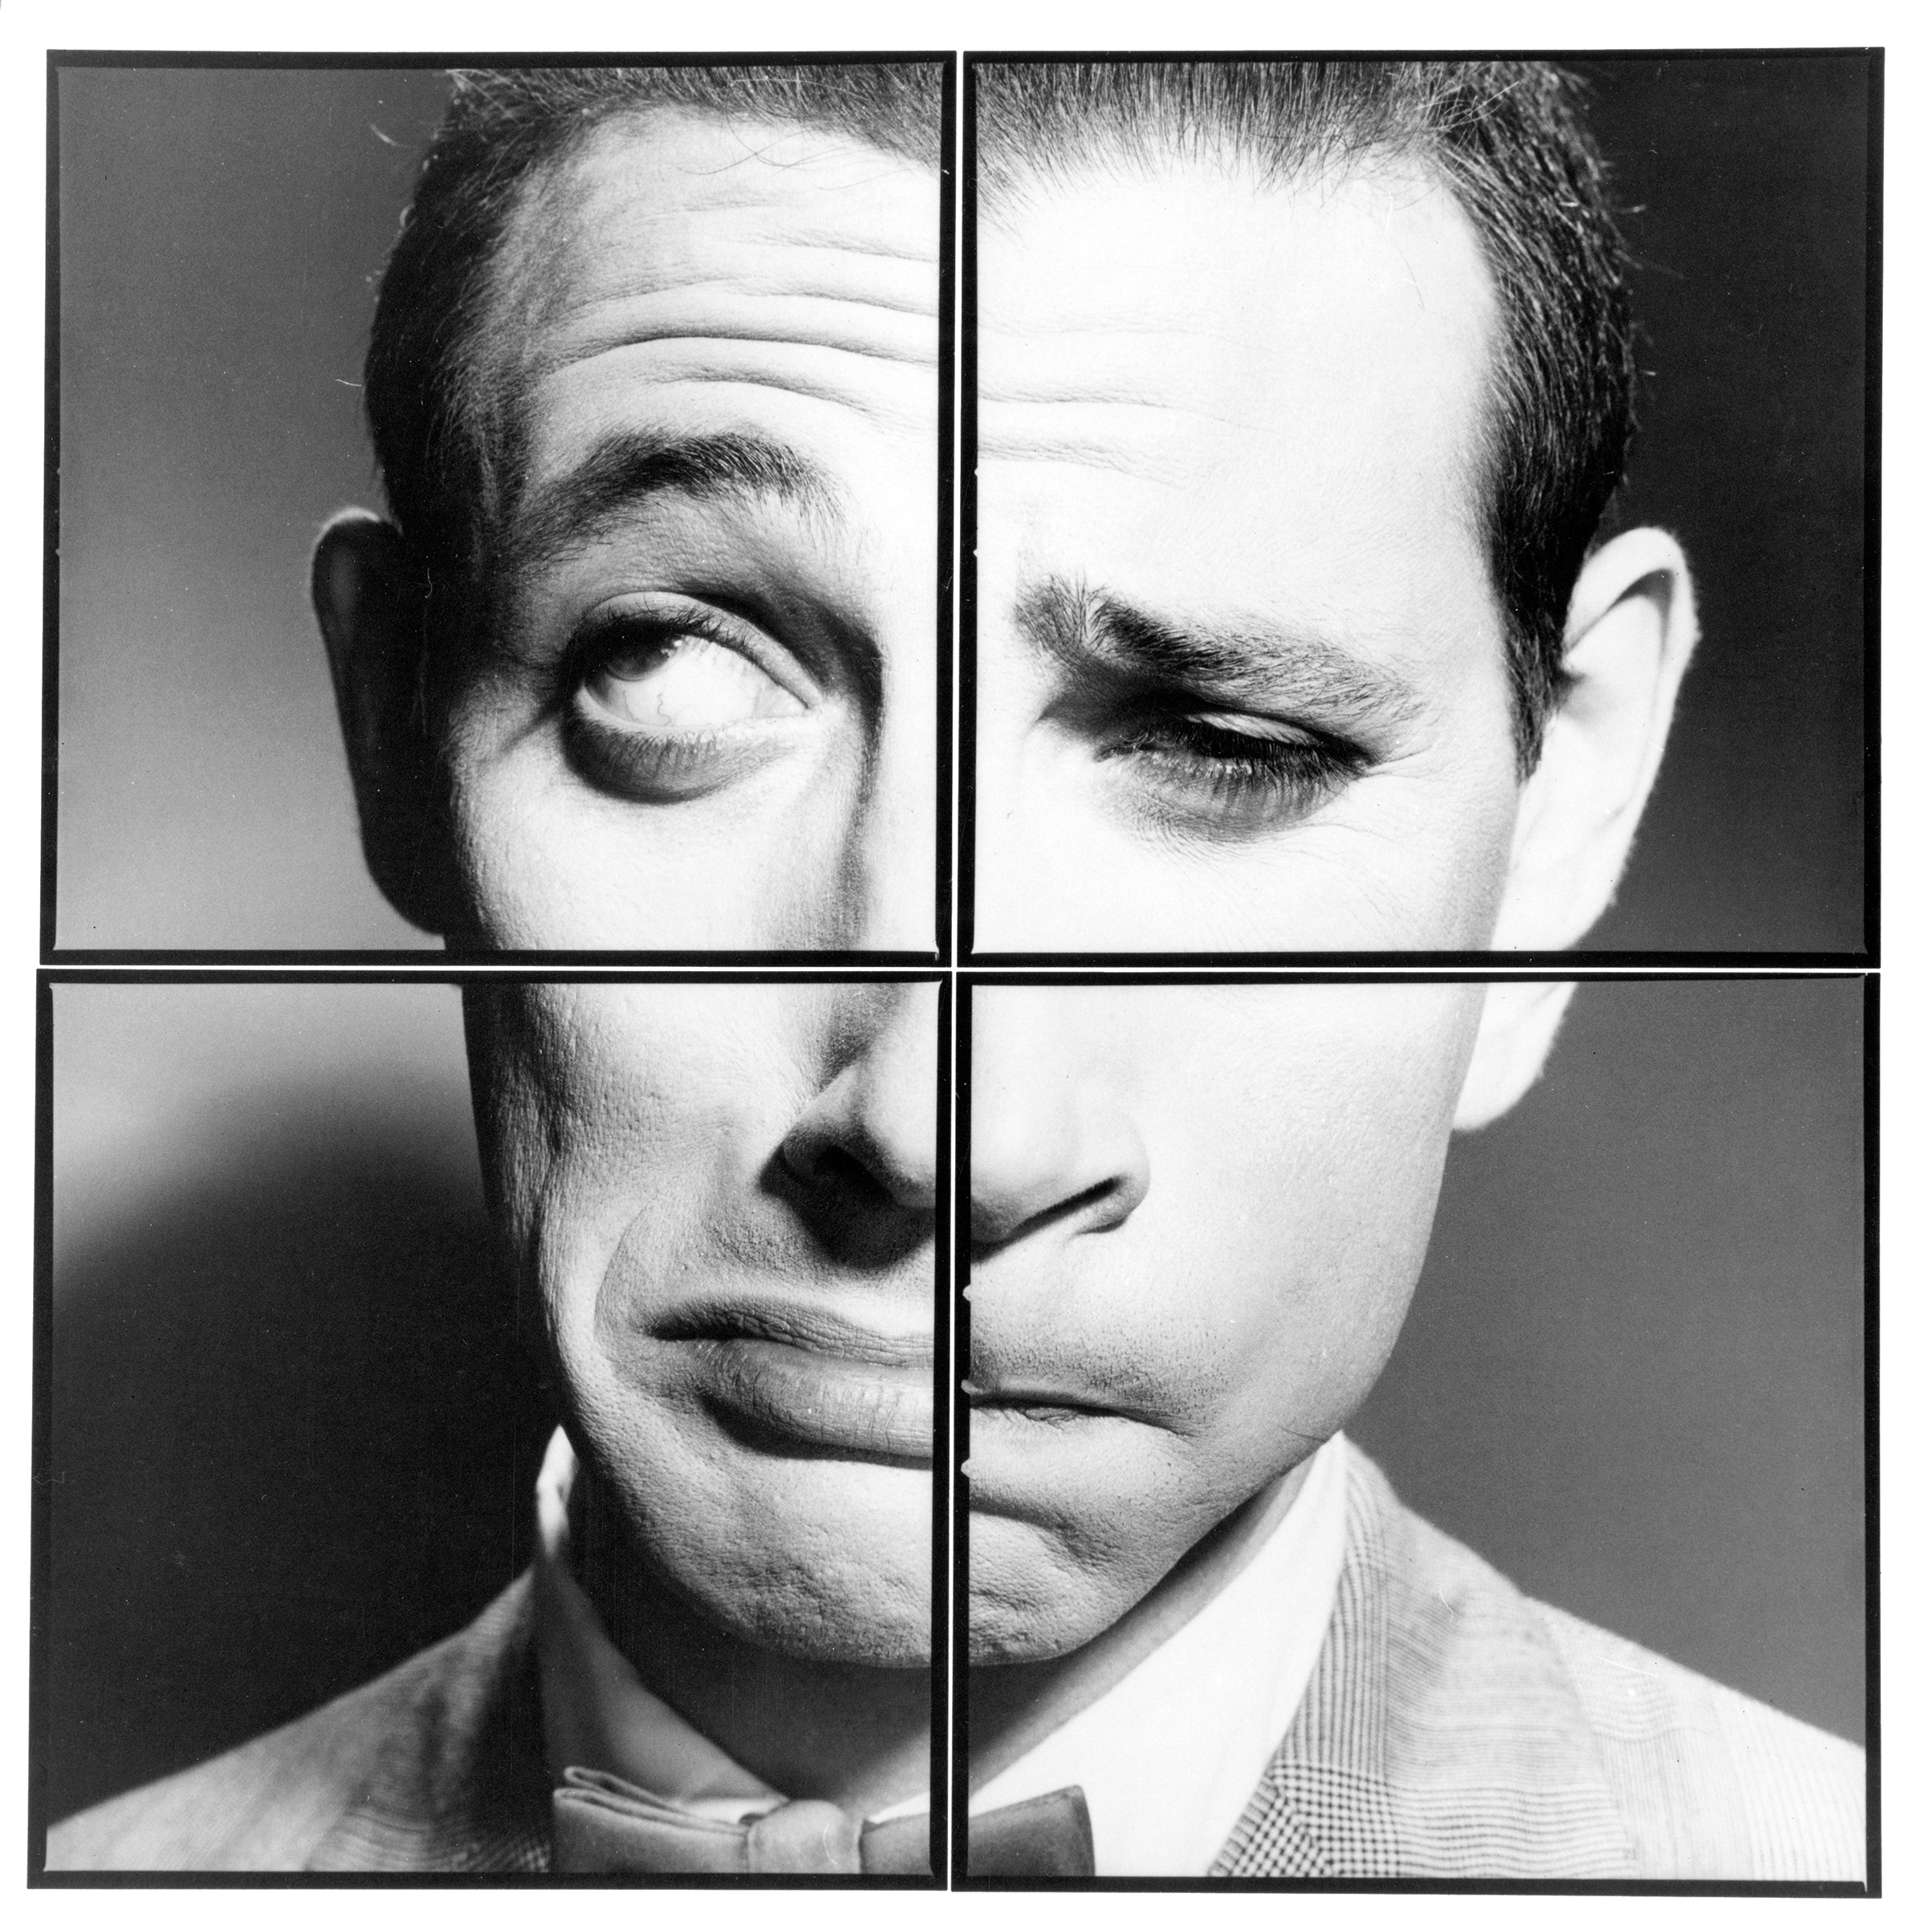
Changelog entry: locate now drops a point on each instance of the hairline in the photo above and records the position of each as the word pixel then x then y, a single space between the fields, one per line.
pixel 1478 474
pixel 494 417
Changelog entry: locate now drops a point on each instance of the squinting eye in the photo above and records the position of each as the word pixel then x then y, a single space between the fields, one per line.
pixel 1230 775
pixel 685 684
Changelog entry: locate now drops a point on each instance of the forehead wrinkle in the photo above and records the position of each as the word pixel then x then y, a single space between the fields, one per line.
pixel 540 366
pixel 1403 181
pixel 506 348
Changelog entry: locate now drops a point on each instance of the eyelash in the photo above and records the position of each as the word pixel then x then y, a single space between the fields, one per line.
pixel 638 763
pixel 599 646
pixel 1237 781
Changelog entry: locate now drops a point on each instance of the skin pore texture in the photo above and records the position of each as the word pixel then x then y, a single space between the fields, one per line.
pixel 1191 1260
pixel 705 716
pixel 722 1197
pixel 1242 685
pixel 1238 641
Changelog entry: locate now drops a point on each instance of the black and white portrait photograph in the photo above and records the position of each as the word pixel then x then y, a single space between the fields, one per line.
pixel 1374 459
pixel 956 966
pixel 577 427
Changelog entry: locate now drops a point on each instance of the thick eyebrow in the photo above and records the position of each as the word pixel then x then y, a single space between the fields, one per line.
pixel 623 469
pixel 1087 633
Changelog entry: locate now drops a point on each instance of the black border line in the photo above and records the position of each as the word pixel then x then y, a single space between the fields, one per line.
pixel 948 946
pixel 1222 55
pixel 961 1321
pixel 1483 962
pixel 1873 1723
pixel 417 59
pixel 945 937
pixel 969 510
pixel 954 981
pixel 39 1715
pixel 49 555
pixel 50 952
pixel 938 1804
pixel 1202 974
pixel 1874 481
pixel 456 975
pixel 971 978
pixel 1865 956
pixel 434 961
pixel 45 981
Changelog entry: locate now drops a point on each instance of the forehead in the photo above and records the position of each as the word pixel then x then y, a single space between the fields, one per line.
pixel 1183 373
pixel 712 274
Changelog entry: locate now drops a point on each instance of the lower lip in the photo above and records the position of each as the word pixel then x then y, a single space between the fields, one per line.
pixel 850 1405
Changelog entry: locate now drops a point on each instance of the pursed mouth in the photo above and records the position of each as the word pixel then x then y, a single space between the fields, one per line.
pixel 814 1380
pixel 1048 1404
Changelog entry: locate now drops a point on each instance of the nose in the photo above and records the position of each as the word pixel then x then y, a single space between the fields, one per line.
pixel 887 884
pixel 1052 1144
pixel 863 1155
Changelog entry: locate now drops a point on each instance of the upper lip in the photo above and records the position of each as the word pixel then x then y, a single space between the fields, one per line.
pixel 809 1327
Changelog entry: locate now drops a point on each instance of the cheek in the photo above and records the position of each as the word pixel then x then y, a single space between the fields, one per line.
pixel 1297 1181
pixel 625 1114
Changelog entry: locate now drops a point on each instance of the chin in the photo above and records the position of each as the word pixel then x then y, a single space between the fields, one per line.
pixel 1028 1605
pixel 860 1612
pixel 824 1561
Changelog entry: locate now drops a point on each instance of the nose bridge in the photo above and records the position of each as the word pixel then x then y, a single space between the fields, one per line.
pixel 889 867
pixel 893 1102
pixel 880 1110
pixel 1050 1140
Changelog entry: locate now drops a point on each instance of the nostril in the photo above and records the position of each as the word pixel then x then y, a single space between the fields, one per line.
pixel 835 1171
pixel 1103 1206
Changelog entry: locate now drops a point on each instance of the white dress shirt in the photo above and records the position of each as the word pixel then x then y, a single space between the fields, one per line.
pixel 1168 1757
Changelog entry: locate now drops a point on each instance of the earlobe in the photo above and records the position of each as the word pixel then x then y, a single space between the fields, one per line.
pixel 1632 628
pixel 368 599
pixel 1519 1025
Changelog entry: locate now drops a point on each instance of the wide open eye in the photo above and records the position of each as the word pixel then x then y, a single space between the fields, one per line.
pixel 684 682
pixel 669 701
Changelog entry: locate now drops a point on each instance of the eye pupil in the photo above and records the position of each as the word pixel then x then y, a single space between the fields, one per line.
pixel 683 683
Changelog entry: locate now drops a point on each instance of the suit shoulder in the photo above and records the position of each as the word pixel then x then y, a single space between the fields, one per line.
pixel 268 1805
pixel 1714 1779
pixel 1507 1737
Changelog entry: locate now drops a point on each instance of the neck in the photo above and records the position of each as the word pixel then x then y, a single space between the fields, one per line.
pixel 1011 1707
pixel 858 1735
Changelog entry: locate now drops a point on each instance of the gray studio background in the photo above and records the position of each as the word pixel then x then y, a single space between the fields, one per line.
pixel 218 235
pixel 291 1442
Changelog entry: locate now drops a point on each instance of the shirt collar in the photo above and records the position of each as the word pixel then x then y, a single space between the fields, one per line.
pixel 597 1713
pixel 1170 1754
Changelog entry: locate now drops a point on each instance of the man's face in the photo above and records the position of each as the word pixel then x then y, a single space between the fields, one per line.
pixel 720 1196
pixel 1241 667
pixel 1198 1214
pixel 704 715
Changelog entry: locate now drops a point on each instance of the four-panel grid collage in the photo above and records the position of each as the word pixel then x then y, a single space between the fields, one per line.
pixel 960 969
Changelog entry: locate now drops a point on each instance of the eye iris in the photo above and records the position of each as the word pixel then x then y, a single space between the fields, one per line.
pixel 687 682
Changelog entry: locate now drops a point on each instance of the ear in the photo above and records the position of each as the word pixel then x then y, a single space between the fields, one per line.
pixel 1632 625
pixel 369 600
pixel 1518 1025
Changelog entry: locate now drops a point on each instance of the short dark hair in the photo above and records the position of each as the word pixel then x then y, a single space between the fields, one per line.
pixel 1508 138
pixel 433 416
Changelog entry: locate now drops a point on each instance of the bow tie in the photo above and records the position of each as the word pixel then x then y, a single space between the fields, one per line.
pixel 601 1824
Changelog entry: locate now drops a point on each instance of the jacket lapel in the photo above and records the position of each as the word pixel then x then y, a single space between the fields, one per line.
pixel 1439 1736
pixel 460 1784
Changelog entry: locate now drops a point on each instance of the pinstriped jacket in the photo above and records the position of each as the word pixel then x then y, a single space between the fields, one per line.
pixel 1453 1729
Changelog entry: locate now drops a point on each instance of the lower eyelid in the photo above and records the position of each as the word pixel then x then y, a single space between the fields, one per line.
pixel 648 766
